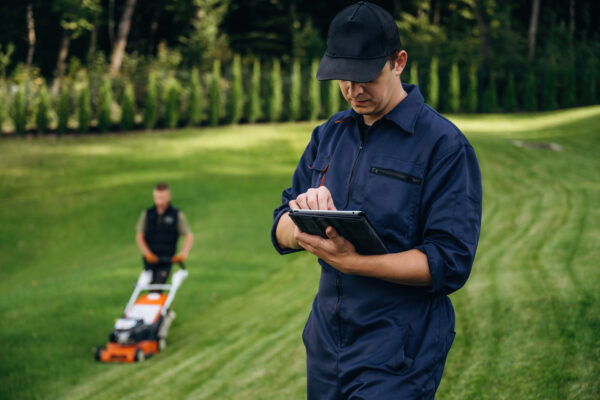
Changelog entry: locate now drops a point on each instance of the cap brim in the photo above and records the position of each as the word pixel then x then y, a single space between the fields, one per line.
pixel 350 69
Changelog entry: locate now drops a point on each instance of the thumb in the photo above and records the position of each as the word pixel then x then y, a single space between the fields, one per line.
pixel 333 235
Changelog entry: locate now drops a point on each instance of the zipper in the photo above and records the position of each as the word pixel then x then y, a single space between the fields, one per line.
pixel 360 149
pixel 338 274
pixel 396 174
pixel 337 306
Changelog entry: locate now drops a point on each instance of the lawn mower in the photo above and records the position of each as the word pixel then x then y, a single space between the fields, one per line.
pixel 143 328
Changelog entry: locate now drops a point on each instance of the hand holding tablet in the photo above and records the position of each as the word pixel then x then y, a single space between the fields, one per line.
pixel 351 225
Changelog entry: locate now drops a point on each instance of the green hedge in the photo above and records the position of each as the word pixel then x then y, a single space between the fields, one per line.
pixel 20 110
pixel 235 105
pixel 105 106
pixel 151 102
pixel 64 109
pixel 41 114
pixel 254 106
pixel 295 99
pixel 195 106
pixel 290 90
pixel 275 93
pixel 454 89
pixel 214 114
pixel 314 93
pixel 85 108
pixel 127 108
pixel 172 103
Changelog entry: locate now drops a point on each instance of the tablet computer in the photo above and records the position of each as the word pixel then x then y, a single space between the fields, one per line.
pixel 351 225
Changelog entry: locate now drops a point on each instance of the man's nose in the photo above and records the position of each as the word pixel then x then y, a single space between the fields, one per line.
pixel 354 89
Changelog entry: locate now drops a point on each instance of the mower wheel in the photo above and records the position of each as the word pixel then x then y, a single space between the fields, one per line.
pixel 139 355
pixel 97 353
pixel 162 344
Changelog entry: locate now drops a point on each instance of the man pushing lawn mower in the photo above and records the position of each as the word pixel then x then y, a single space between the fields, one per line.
pixel 158 230
pixel 143 328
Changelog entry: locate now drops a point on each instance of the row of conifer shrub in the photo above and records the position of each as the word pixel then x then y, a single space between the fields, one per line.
pixel 268 92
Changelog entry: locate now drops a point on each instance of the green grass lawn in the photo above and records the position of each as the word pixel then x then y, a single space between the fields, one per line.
pixel 528 319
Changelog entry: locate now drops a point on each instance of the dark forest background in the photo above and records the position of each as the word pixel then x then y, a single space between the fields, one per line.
pixel 466 55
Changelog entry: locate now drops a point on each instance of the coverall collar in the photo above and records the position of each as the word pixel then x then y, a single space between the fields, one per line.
pixel 406 113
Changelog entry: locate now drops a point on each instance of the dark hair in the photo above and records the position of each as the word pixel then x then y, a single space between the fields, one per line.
pixel 392 59
pixel 161 186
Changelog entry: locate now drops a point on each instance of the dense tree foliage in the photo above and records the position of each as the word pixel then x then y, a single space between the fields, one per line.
pixel 465 55
pixel 207 29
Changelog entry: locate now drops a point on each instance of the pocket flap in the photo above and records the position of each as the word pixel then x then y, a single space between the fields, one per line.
pixel 320 163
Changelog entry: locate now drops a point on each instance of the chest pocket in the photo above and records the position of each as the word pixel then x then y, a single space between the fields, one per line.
pixel 319 170
pixel 393 188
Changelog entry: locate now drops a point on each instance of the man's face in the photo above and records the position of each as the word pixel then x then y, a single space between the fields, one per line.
pixel 375 98
pixel 161 198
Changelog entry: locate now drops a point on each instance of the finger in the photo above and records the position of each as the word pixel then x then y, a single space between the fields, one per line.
pixel 332 234
pixel 311 199
pixel 301 201
pixel 302 236
pixel 307 247
pixel 293 204
pixel 314 241
pixel 323 198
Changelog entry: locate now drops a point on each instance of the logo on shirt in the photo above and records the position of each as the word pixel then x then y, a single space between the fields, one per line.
pixel 168 219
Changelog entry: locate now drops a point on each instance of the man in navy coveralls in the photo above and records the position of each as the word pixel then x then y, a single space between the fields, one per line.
pixel 381 326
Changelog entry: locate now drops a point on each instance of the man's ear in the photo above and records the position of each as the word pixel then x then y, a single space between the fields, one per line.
pixel 401 62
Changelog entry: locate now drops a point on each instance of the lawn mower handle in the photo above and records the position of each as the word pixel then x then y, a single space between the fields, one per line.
pixel 167 260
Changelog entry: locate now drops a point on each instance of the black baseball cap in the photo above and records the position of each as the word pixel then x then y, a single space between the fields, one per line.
pixel 360 40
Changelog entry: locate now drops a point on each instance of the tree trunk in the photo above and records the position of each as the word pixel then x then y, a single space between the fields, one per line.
pixel 153 29
pixel 30 34
pixel 483 30
pixel 93 40
pixel 435 6
pixel 121 43
pixel 572 21
pixel 111 23
pixel 533 25
pixel 61 63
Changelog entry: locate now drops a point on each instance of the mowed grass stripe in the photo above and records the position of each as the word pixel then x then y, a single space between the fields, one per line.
pixel 504 227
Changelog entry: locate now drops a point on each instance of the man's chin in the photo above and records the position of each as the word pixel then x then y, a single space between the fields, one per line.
pixel 363 110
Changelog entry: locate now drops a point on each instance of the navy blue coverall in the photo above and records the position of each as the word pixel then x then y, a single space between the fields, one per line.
pixel 417 178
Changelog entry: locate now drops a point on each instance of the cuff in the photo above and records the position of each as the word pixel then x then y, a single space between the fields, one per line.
pixel 273 233
pixel 436 267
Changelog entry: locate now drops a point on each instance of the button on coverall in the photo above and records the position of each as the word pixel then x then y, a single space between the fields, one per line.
pixel 417 178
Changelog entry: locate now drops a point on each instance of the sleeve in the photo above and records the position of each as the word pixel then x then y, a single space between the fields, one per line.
pixel 182 224
pixel 301 182
pixel 141 224
pixel 451 218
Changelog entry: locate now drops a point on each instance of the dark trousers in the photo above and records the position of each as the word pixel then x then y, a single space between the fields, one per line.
pixel 160 271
